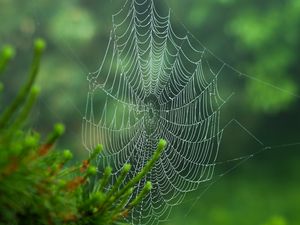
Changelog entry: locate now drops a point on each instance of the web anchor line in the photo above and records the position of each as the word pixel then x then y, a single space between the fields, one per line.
pixel 154 83
pixel 153 75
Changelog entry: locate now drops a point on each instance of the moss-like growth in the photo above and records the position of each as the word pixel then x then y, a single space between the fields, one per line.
pixel 37 187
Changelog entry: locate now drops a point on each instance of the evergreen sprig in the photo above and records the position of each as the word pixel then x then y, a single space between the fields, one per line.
pixel 37 186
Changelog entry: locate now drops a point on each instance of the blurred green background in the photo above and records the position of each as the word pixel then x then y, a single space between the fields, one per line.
pixel 259 38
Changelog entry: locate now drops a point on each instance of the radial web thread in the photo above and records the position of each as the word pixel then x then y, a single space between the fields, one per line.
pixel 155 83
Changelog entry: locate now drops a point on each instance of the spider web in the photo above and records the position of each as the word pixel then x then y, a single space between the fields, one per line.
pixel 154 83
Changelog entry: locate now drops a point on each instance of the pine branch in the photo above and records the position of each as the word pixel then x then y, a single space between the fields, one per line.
pixel 39 186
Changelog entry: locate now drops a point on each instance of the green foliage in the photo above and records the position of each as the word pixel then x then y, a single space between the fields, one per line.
pixel 276 220
pixel 270 37
pixel 73 24
pixel 264 36
pixel 38 186
pixel 225 27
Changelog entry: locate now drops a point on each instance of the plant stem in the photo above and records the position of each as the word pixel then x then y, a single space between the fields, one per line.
pixel 25 90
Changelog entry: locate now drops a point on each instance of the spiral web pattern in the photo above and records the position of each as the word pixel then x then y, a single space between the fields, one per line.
pixel 154 83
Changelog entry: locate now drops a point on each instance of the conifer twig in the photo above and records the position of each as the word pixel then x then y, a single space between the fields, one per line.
pixel 39 47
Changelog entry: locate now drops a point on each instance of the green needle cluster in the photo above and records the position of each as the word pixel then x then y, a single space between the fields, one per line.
pixel 38 184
